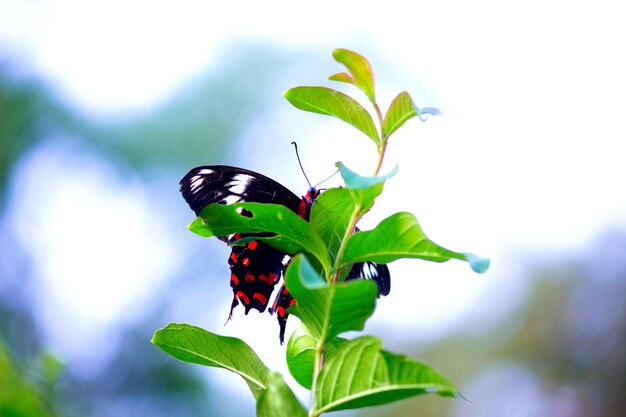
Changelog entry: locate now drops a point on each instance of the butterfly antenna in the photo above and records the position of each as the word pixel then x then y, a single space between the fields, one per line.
pixel 300 163
pixel 327 178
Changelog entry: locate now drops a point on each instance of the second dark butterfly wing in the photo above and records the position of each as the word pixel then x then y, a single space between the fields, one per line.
pixel 379 273
pixel 256 267
pixel 282 302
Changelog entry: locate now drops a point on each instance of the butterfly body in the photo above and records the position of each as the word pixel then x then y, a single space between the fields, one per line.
pixel 256 268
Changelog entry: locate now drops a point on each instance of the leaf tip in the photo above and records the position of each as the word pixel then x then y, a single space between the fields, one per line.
pixel 459 395
pixel 477 263
pixel 337 52
pixel 423 113
pixel 156 337
pixel 356 181
pixel 200 227
pixel 342 77
pixel 287 94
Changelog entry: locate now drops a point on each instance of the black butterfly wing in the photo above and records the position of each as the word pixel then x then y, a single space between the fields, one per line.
pixel 224 184
pixel 256 267
pixel 379 273
pixel 255 270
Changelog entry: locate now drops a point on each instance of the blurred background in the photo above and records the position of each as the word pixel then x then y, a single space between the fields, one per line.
pixel 104 106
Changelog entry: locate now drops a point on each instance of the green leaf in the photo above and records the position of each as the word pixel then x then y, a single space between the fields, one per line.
pixel 342 77
pixel 365 197
pixel 331 212
pixel 362 193
pixel 293 234
pixel 361 374
pixel 301 354
pixel 403 108
pixel 357 182
pixel 330 215
pixel 328 310
pixel 400 236
pixel 200 227
pixel 331 102
pixel 278 400
pixel 195 345
pixel 360 70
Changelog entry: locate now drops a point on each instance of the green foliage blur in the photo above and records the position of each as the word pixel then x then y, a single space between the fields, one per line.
pixel 27 392
pixel 195 125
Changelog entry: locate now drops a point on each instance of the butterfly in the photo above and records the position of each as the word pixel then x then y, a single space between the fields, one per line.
pixel 256 268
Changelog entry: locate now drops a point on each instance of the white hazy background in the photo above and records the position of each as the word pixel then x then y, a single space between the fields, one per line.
pixel 526 158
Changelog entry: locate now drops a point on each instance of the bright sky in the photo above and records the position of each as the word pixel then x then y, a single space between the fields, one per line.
pixel 528 154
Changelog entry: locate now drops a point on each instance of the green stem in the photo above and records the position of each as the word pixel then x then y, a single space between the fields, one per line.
pixel 317 367
pixel 383 139
pixel 354 219
pixel 381 156
pixel 380 117
pixel 318 363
